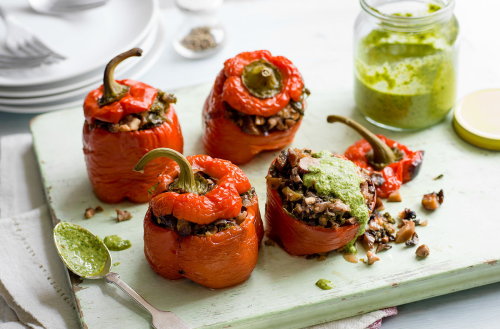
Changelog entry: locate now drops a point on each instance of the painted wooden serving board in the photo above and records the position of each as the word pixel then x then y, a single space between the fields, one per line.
pixel 281 293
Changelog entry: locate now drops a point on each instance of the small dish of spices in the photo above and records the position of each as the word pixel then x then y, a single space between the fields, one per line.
pixel 201 34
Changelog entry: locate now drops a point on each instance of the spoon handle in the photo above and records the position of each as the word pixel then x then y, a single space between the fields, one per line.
pixel 161 319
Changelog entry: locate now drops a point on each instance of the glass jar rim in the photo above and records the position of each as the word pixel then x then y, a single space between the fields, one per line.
pixel 405 21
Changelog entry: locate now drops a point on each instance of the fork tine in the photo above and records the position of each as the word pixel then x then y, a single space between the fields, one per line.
pixel 21 42
pixel 27 50
pixel 7 62
pixel 40 45
pixel 7 58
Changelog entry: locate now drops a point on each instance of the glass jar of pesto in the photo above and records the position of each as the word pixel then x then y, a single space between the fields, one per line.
pixel 405 62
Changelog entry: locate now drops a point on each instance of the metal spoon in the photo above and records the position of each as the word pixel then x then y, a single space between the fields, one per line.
pixel 160 319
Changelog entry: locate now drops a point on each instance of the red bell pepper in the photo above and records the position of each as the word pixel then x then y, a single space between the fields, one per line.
pixel 296 236
pixel 217 260
pixel 393 163
pixel 111 155
pixel 253 84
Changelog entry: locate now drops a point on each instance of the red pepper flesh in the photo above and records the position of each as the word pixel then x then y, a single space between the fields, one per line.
pixel 220 260
pixel 298 238
pixel 222 138
pixel 394 174
pixel 139 98
pixel 110 158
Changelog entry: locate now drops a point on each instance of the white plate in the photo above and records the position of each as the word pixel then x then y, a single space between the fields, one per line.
pixel 88 84
pixel 88 39
pixel 79 81
pixel 136 72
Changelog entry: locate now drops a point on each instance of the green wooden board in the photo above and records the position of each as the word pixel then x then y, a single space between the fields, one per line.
pixel 281 293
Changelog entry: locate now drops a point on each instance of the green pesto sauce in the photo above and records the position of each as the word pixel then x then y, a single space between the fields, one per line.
pixel 116 243
pixel 407 80
pixel 340 178
pixel 432 8
pixel 84 253
pixel 324 284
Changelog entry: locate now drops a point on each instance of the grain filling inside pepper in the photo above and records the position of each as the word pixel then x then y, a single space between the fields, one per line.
pixel 263 80
pixel 307 200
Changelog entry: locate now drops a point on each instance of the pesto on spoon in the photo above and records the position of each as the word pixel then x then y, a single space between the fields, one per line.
pixel 87 256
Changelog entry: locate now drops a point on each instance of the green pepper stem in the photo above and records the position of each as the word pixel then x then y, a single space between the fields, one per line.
pixel 113 91
pixel 262 79
pixel 186 181
pixel 382 154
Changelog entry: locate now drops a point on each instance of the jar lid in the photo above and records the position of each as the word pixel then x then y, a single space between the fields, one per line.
pixel 477 119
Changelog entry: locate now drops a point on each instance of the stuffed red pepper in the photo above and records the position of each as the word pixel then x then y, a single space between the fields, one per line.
pixel 123 121
pixel 203 221
pixel 389 163
pixel 317 202
pixel 256 104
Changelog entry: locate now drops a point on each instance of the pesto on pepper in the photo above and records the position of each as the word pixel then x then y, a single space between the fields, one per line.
pixel 340 178
pixel 406 79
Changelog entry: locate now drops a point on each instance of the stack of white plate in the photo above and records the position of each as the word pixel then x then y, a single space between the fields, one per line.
pixel 88 40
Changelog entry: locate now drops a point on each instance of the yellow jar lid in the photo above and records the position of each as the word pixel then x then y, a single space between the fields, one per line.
pixel 477 119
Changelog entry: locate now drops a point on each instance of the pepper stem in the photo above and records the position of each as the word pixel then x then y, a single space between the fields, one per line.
pixel 186 181
pixel 383 155
pixel 262 79
pixel 113 91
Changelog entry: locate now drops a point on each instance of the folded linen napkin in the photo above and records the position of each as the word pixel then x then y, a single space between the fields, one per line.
pixel 33 281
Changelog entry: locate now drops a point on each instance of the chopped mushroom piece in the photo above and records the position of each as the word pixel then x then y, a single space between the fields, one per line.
pixel 382 247
pixel 432 201
pixel 379 205
pixel 409 214
pixel 422 251
pixel 406 232
pixel 351 258
pixel 372 258
pixel 394 197
pixel 122 215
pixel 413 241
pixel 306 162
pixel 89 213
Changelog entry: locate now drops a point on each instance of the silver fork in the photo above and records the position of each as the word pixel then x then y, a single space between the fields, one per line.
pixel 64 6
pixel 11 62
pixel 25 45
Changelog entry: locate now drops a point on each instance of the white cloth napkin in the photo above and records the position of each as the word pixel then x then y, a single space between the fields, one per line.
pixel 33 282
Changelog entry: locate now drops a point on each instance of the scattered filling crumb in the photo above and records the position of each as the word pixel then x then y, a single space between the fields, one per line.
pixel 394 197
pixel 122 215
pixel 324 284
pixel 438 177
pixel 382 230
pixel 422 251
pixel 432 201
pixel 90 212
